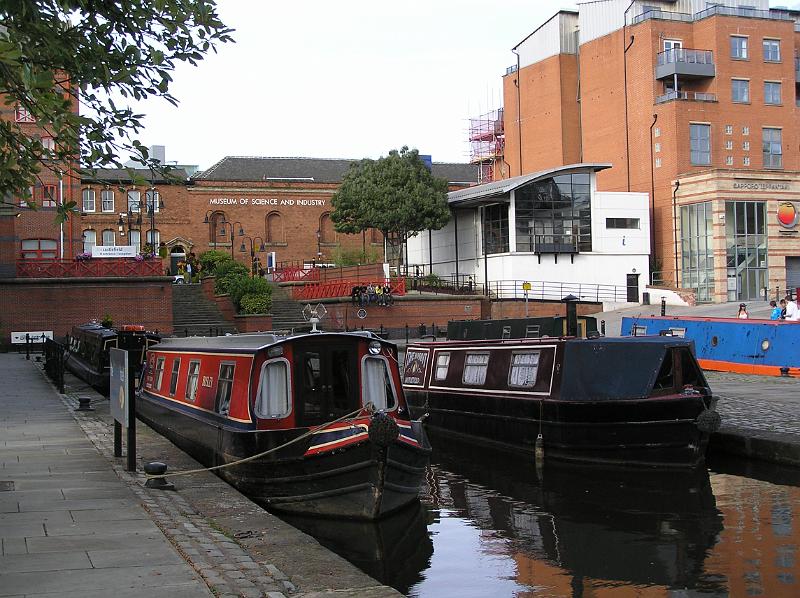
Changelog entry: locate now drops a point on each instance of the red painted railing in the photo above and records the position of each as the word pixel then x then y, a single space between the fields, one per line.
pixel 88 268
pixel 294 274
pixel 342 288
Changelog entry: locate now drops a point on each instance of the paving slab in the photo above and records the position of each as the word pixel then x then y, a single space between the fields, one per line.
pixel 54 561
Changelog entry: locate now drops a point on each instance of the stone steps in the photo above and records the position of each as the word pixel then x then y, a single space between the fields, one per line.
pixel 193 314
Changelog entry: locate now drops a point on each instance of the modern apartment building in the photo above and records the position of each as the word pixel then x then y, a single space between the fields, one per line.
pixel 693 102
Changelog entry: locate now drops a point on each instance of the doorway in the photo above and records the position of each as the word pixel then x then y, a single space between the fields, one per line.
pixel 632 283
pixel 326 382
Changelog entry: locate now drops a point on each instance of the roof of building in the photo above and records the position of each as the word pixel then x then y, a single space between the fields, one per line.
pixel 123 175
pixel 317 170
pixel 475 195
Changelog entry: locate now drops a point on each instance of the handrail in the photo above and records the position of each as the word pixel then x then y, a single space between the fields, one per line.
pixel 343 287
pixel 553 290
pixel 98 267
pixel 696 96
pixel 684 55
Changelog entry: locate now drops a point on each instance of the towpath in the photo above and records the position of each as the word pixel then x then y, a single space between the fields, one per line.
pixel 74 523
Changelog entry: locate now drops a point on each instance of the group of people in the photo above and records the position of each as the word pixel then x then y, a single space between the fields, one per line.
pixel 785 310
pixel 363 295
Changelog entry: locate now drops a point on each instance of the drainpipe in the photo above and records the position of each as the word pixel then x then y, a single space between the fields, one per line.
pixel 625 90
pixel 61 203
pixel 652 193
pixel 517 82
pixel 675 226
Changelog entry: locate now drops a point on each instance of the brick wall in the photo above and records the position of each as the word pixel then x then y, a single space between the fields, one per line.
pixel 411 312
pixel 60 304
pixel 515 308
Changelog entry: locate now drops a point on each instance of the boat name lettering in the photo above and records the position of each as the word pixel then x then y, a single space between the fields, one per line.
pixel 762 186
pixel 264 201
pixel 208 381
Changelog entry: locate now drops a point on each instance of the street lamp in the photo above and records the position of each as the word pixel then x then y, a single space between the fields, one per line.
pixel 319 245
pixel 128 217
pixel 232 225
pixel 261 249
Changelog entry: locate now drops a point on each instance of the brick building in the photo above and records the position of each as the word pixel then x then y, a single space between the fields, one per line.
pixel 692 102
pixel 277 206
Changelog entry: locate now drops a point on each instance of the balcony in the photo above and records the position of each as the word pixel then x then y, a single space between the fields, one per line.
pixel 555 244
pixel 685 63
pixel 691 96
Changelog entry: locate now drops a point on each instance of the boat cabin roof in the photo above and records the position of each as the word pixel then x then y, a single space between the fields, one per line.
pixel 246 343
pixel 94 329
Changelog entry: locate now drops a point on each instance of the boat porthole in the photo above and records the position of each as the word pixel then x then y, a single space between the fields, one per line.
pixel 764 345
pixel 714 341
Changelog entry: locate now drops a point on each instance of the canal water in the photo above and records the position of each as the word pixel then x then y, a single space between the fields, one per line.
pixel 493 525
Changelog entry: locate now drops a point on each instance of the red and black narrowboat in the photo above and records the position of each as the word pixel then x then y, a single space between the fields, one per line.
pixel 223 399
pixel 642 402
pixel 88 350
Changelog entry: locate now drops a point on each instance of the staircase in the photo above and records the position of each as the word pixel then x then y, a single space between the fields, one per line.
pixel 287 314
pixel 194 314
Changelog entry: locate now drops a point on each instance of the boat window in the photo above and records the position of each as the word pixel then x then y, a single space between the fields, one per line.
pixel 173 381
pixel 159 373
pixel 342 401
pixel 191 380
pixel 442 364
pixel 312 386
pixel 475 366
pixel 666 375
pixel 524 367
pixel 690 370
pixel 224 387
pixel 273 392
pixel 377 384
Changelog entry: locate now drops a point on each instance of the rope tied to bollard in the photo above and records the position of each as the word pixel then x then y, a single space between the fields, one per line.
pixel 369 408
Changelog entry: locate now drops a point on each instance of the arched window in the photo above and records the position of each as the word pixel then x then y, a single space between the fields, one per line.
pixel 326 232
pixel 88 200
pixel 275 228
pixel 109 238
pixel 216 228
pixel 89 240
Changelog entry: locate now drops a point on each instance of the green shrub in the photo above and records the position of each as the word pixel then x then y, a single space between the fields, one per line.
pixel 226 271
pixel 107 321
pixel 255 304
pixel 210 260
pixel 355 257
pixel 240 286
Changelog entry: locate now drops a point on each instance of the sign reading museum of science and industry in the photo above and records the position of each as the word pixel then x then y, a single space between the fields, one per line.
pixel 263 201
pixel 114 251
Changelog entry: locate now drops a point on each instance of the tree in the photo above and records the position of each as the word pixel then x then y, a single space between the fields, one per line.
pixel 395 194
pixel 55 54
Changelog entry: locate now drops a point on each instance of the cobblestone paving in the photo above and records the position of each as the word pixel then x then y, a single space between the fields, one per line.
pixel 757 402
pixel 226 567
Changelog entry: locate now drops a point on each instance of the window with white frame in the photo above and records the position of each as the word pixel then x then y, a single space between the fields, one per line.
pixel 192 377
pixel 158 374
pixel 657 147
pixel 109 238
pixel 274 391
pixel 135 239
pixel 173 379
pixel 740 91
pixel 153 238
pixel 48 196
pixel 88 200
pixel 23 115
pixel 729 144
pixel 442 365
pixel 738 47
pixel 524 368
pixel 772 92
pixel 107 200
pixel 746 146
pixel 772 148
pixel 772 50
pixel 377 383
pixel 746 161
pixel 134 200
pixel 151 199
pixel 48 143
pixel 658 162
pixel 700 144
pixel 745 131
pixel 657 132
pixel 729 129
pixel 729 160
pixel 225 387
pixel 89 240
pixel 475 366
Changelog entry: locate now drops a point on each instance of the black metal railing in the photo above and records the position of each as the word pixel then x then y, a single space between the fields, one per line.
pixel 54 353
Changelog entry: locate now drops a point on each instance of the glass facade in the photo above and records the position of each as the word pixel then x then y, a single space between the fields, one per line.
pixel 495 228
pixel 554 215
pixel 746 248
pixel 697 252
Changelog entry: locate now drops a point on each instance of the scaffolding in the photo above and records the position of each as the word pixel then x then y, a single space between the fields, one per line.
pixel 487 142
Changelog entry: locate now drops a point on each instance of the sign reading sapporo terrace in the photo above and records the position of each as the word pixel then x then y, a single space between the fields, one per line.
pixel 263 201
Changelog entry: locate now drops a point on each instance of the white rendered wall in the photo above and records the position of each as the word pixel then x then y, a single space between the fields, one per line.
pixel 620 241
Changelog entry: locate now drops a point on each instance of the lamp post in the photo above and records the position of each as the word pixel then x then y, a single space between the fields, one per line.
pixel 261 249
pixel 319 245
pixel 128 217
pixel 232 225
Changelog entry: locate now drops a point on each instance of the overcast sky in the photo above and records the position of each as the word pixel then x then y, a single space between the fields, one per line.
pixel 347 79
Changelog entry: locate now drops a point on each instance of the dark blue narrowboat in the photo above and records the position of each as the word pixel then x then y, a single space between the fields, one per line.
pixel 632 402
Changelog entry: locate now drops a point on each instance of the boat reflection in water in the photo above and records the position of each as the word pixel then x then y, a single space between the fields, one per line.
pixel 393 550
pixel 568 529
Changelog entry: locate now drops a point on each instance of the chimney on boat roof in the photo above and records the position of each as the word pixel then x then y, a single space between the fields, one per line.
pixel 572 314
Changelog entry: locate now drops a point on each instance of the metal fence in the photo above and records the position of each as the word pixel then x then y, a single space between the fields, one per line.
pixel 54 362
pixel 550 290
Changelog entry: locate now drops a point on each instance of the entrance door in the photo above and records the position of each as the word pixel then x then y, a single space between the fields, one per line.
pixel 792 273
pixel 632 281
pixel 326 382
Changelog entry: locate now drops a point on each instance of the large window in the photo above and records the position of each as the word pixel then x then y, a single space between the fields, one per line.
pixel 39 249
pixel 152 200
pixel 495 228
pixel 154 239
pixel 225 387
pixel 772 92
pixel 740 90
pixel 772 50
pixel 772 148
pixel 554 215
pixel 697 250
pixel 109 238
pixel 738 47
pixel 700 144
pixel 746 249
pixel 273 391
pixel 134 200
pixel 135 239
pixel 475 366
pixel 89 240
pixel 107 200
pixel 88 200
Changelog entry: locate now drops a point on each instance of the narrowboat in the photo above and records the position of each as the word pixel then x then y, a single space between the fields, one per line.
pixel 763 347
pixel 338 396
pixel 632 402
pixel 88 346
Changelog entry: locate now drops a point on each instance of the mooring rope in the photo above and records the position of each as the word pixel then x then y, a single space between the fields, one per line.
pixel 369 407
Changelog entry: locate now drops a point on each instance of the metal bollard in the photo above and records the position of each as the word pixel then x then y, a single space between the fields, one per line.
pixel 433 329
pixel 157 469
pixel 603 327
pixel 663 306
pixel 28 347
pixel 406 333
